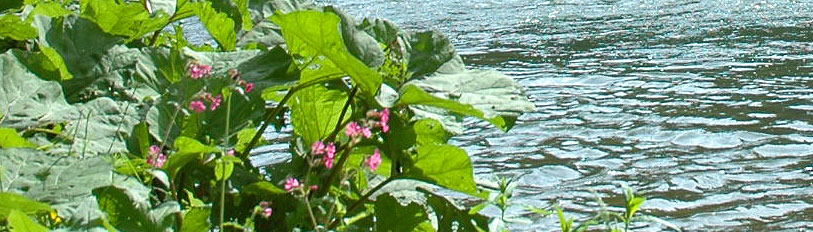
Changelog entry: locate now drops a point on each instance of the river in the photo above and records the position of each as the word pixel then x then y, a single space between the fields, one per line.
pixel 704 107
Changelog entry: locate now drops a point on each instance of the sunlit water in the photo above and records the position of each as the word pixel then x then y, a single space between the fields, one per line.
pixel 704 107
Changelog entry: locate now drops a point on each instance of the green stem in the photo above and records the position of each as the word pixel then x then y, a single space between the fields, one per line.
pixel 339 124
pixel 223 182
pixel 363 199
pixel 87 138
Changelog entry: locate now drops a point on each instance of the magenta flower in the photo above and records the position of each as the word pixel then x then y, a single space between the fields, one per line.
pixel 216 101
pixel 314 187
pixel 291 184
pixel 367 132
pixel 328 161
pixel 385 120
pixel 318 147
pixel 230 152
pixel 197 106
pixel 330 150
pixel 374 161
pixel 267 212
pixel 197 70
pixel 155 150
pixel 352 129
pixel 249 87
pixel 157 160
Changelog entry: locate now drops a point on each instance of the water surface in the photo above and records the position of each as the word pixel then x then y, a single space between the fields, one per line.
pixel 704 107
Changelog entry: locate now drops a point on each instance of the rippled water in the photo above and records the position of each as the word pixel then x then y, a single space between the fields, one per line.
pixel 704 107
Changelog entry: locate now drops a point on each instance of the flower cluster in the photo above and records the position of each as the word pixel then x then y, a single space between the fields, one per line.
pixel 375 119
pixel 235 75
pixel 198 70
pixel 156 158
pixel 374 161
pixel 329 150
pixel 291 184
pixel 199 105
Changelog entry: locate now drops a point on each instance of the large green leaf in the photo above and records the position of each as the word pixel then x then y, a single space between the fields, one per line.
pixel 315 37
pixel 430 52
pixel 19 222
pixel 63 182
pixel 487 95
pixel 101 126
pixel 14 28
pixel 130 210
pixel 315 111
pixel 13 201
pixel 220 26
pixel 25 100
pixel 444 165
pixel 392 215
pixel 130 20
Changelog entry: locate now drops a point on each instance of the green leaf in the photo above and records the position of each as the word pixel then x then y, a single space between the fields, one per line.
pixel 488 95
pixel 263 188
pixel 128 209
pixel 430 132
pixel 63 182
pixel 219 25
pixel 188 150
pixel 14 28
pixel 444 165
pixel 225 166
pixel 50 9
pixel 315 37
pixel 315 112
pixel 56 61
pixel 25 100
pixel 139 140
pixel 244 137
pixel 17 202
pixel 453 217
pixel 10 139
pixel 391 215
pixel 130 20
pixel 431 52
pixel 196 219
pixel 19 222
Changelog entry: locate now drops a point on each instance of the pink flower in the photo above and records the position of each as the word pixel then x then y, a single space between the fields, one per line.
pixel 197 70
pixel 291 184
pixel 317 148
pixel 155 150
pixel 328 161
pixel 197 106
pixel 267 212
pixel 249 87
pixel 374 161
pixel 216 101
pixel 157 160
pixel 385 120
pixel 352 129
pixel 330 150
pixel 264 204
pixel 230 152
pixel 314 187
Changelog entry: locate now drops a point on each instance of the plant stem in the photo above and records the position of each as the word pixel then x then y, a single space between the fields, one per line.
pixel 226 144
pixel 363 199
pixel 336 169
pixel 341 116
pixel 310 211
pixel 87 138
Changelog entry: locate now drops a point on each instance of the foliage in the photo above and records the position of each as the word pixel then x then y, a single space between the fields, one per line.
pixel 110 122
